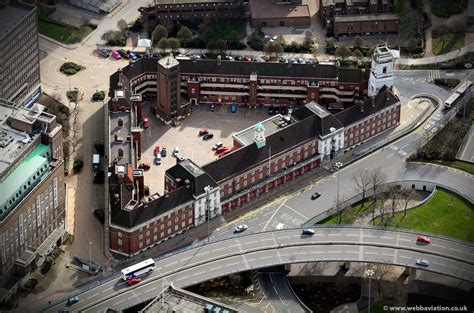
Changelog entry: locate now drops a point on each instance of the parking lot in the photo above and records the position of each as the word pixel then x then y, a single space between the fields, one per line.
pixel 220 123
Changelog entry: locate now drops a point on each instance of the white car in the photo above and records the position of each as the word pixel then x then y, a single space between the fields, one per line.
pixel 422 262
pixel 216 146
pixel 240 228
pixel 176 151
pixel 308 232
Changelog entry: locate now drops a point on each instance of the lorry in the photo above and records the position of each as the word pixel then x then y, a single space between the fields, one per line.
pixel 95 162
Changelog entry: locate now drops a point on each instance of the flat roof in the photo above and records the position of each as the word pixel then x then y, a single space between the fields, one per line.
pixel 245 137
pixel 11 15
pixel 365 17
pixel 266 9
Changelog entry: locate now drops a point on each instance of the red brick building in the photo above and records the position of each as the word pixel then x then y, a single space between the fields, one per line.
pixel 272 13
pixel 358 17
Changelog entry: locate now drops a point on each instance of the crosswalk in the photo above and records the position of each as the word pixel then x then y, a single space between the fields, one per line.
pixel 433 74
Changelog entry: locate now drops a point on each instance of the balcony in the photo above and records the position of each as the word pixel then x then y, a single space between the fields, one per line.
pixel 280 95
pixel 224 93
pixel 289 88
pixel 223 85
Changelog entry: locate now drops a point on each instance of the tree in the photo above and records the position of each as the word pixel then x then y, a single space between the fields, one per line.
pixel 315 50
pixel 362 181
pixel 211 46
pixel 370 52
pixel 393 196
pixel 443 33
pixel 115 38
pixel 122 25
pixel 357 54
pixel 377 179
pixel 173 44
pixel 273 48
pixel 281 40
pixel 412 43
pixel 184 34
pixel 233 36
pixel 206 33
pixel 307 41
pixel 358 41
pixel 406 195
pixel 159 33
pixel 163 44
pixel 342 52
pixel 221 45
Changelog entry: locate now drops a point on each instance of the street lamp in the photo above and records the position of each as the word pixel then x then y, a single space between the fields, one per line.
pixel 90 255
pixel 208 189
pixel 468 66
pixel 369 273
pixel 337 166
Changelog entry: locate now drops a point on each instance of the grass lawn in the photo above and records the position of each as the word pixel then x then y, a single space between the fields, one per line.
pixel 446 8
pixel 59 31
pixel 223 29
pixel 452 41
pixel 350 214
pixel 446 214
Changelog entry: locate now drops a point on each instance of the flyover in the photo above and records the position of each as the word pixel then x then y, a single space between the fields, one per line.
pixel 251 251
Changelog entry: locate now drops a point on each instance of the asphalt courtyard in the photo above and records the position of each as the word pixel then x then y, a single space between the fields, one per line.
pixel 221 123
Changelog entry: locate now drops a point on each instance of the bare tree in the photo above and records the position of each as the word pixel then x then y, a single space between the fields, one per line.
pixel 376 179
pixel 340 211
pixel 380 272
pixel 362 181
pixel 273 48
pixel 406 195
pixel 342 52
pixel 281 40
pixel 358 41
pixel 122 25
pixel 393 196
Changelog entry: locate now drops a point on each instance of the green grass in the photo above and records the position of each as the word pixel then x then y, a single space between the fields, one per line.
pixel 61 32
pixel 223 29
pixel 453 41
pixel 350 214
pixel 446 214
pixel 460 165
pixel 446 8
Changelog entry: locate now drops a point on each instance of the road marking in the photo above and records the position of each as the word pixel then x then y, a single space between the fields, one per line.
pixel 232 264
pixel 268 257
pixel 218 249
pixel 387 254
pixel 371 253
pixel 296 211
pixel 200 273
pixel 454 249
pixel 386 237
pixel 282 204
pixel 334 234
pixel 351 235
pixel 90 297
pixel 170 264
pixel 151 289
pixel 436 245
pixel 109 288
pixel 404 257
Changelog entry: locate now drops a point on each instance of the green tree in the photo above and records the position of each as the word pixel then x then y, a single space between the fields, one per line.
pixel 184 34
pixel 122 25
pixel 342 52
pixel 412 44
pixel 357 54
pixel 358 41
pixel 211 46
pixel 173 44
pixel 163 44
pixel 273 48
pixel 233 37
pixel 221 45
pixel 206 33
pixel 159 33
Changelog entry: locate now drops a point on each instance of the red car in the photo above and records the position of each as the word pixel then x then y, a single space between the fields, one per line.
pixel 133 281
pixel 221 149
pixel 157 150
pixel 145 123
pixel 423 239
pixel 203 132
pixel 144 166
pixel 225 152
pixel 247 58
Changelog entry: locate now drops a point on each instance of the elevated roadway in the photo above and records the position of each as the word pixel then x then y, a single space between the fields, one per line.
pixel 251 251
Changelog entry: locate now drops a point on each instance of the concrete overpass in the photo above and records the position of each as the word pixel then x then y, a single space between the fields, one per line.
pixel 251 251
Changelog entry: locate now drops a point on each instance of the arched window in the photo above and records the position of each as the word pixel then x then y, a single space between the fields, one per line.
pixel 120 122
pixel 120 152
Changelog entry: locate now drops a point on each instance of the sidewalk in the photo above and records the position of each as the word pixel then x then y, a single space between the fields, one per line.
pixel 439 58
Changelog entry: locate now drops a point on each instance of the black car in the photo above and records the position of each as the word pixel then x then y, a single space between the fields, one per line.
pixel 213 107
pixel 207 136
pixel 315 195
pixel 104 53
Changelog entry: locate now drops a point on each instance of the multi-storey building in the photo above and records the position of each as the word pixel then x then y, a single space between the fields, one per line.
pixel 278 13
pixel 32 192
pixel 358 17
pixel 171 11
pixel 19 53
pixel 244 83
pixel 266 156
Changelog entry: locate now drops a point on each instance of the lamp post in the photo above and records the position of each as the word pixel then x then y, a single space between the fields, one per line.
pixel 90 255
pixel 369 273
pixel 468 66
pixel 337 166
pixel 208 189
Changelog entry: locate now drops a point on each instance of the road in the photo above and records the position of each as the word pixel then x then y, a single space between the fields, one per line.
pixel 278 294
pixel 250 251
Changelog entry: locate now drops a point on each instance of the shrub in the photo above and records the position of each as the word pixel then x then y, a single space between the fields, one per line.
pixel 70 68
pixel 77 165
pixel 98 96
pixel 30 284
pixel 73 95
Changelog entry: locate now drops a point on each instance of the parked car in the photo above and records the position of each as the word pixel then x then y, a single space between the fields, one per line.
pixel 144 166
pixel 158 160
pixel 254 59
pixel 104 53
pixel 233 108
pixel 145 123
pixel 239 58
pixel 221 149
pixel 72 300
pixel 132 56
pixel 208 136
pixel 229 58
pixel 308 232
pixel 176 151
pixel 157 150
pixel 203 132
pixel 315 195
pixel 213 107
pixel 247 58
pixel 423 239
pixel 122 53
pixel 116 55
pixel 240 228
pixel 164 152
pixel 133 281
pixel 300 60
pixel 217 145
pixel 139 56
pixel 156 55
pixel 225 152
pixel 422 262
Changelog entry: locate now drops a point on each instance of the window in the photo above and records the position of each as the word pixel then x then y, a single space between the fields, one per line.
pixel 119 241
pixel 55 192
pixel 119 234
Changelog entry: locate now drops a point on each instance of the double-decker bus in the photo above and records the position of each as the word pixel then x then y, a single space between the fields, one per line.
pixel 458 94
pixel 138 269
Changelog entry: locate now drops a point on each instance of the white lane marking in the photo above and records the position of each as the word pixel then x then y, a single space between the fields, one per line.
pixel 170 264
pixel 268 239
pixel 351 235
pixel 404 257
pixel 268 257
pixel 120 301
pixel 296 211
pixel 202 253
pixel 387 254
pixel 371 253
pixel 151 289
pixel 218 249
pixel 200 273
pixel 401 239
pixel 386 237
pixel 90 297
pixel 436 245
pixel 266 225
pixel 247 242
pixel 454 249
pixel 232 264
pixel 334 234
pixel 370 236
pixel 182 278
pixel 284 237
pixel 109 288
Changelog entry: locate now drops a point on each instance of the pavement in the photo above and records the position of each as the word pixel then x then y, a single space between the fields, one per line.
pixel 257 250
pixel 466 152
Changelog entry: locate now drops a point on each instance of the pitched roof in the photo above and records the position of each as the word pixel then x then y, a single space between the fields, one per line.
pixel 188 170
pixel 353 114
